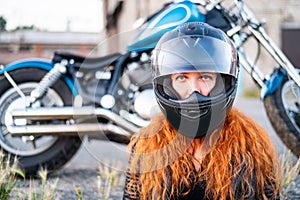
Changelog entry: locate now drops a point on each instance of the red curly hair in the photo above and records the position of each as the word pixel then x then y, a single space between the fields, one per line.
pixel 158 148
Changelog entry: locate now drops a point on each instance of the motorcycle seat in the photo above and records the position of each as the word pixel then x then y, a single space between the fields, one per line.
pixel 85 62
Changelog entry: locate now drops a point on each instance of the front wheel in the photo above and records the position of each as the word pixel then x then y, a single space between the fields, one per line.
pixel 283 110
pixel 34 152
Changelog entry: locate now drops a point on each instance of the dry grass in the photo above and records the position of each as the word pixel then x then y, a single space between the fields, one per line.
pixel 8 175
pixel 108 178
pixel 40 189
pixel 291 169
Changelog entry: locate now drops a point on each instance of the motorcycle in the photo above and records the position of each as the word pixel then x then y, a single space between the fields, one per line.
pixel 48 106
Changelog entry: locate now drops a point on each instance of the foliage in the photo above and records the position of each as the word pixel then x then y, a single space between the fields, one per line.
pixel 31 27
pixel 3 23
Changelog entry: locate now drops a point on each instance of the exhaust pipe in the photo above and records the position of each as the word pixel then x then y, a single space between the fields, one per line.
pixel 69 112
pixel 121 132
pixel 54 129
pixel 100 131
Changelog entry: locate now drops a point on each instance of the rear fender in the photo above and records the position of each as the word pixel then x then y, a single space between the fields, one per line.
pixel 40 64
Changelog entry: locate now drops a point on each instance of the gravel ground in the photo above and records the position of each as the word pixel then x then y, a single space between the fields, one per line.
pixel 96 170
pixel 88 181
pixel 293 190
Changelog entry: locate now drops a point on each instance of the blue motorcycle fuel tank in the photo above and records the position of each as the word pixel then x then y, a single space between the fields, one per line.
pixel 168 18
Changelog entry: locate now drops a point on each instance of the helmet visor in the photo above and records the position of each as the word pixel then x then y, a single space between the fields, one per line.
pixel 190 53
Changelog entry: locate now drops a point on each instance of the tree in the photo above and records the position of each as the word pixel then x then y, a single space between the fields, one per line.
pixel 25 27
pixel 2 23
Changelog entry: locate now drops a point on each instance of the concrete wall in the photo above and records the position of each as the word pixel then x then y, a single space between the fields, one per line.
pixel 29 44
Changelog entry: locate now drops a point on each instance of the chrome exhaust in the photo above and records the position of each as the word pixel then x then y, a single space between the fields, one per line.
pixel 45 113
pixel 98 131
pixel 69 112
pixel 54 129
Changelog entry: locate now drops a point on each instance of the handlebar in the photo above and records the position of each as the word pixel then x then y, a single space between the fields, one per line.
pixel 246 14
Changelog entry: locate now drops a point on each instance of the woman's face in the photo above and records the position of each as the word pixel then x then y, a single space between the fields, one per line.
pixel 186 83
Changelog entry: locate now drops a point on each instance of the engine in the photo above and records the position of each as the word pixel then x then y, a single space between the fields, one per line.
pixel 134 92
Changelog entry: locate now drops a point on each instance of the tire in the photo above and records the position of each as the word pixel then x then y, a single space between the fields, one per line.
pixel 283 111
pixel 35 153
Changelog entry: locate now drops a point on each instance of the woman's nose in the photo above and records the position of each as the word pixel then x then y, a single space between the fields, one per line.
pixel 199 86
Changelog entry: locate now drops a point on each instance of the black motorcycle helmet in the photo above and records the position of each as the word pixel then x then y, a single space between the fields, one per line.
pixel 195 47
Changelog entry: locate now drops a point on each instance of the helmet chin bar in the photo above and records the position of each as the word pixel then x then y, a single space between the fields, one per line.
pixel 211 118
pixel 193 113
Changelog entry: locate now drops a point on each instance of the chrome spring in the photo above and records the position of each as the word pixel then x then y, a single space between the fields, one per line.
pixel 48 80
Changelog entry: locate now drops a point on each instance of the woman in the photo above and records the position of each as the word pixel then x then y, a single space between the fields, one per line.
pixel 199 147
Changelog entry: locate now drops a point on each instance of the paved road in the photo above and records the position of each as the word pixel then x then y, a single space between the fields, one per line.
pixel 83 170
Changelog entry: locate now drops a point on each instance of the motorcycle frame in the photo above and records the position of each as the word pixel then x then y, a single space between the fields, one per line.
pixel 239 35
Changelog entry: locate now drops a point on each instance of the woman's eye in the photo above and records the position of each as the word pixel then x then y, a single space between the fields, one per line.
pixel 206 77
pixel 180 77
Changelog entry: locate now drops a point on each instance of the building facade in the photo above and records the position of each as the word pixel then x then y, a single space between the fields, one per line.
pixel 24 44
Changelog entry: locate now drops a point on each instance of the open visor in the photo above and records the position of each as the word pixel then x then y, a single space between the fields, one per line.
pixel 199 53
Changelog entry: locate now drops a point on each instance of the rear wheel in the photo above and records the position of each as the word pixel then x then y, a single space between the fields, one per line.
pixel 283 110
pixel 34 152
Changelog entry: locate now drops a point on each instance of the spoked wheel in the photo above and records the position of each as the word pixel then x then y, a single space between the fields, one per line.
pixel 283 111
pixel 34 152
